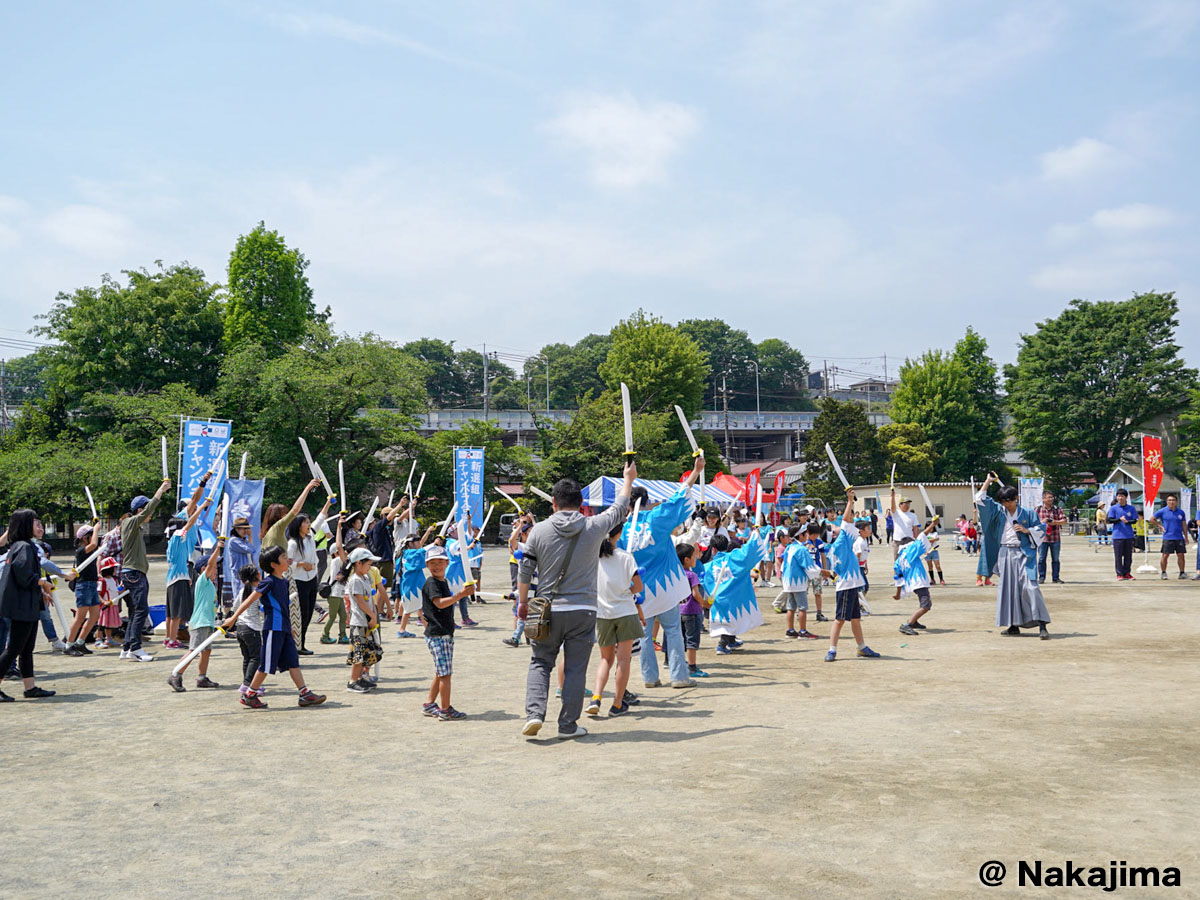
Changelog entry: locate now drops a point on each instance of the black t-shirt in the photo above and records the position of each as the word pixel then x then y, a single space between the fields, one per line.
pixel 90 573
pixel 438 622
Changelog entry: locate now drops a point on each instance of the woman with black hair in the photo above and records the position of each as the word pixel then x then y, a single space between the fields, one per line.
pixel 23 595
pixel 302 549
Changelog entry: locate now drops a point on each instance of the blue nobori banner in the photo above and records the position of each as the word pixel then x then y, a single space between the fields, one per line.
pixel 468 483
pixel 203 443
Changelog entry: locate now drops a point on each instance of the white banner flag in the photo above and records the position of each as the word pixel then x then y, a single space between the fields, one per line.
pixel 1106 495
pixel 1031 492
pixel 1185 502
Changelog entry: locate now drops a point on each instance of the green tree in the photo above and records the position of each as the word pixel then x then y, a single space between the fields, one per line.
pixel 25 376
pixel 936 392
pixel 574 372
pixel 351 398
pixel 160 328
pixel 270 300
pixel 502 463
pixel 907 445
pixel 783 372
pixel 593 444
pixel 661 366
pixel 983 381
pixel 730 355
pixel 49 476
pixel 846 428
pixel 1084 382
pixel 1186 463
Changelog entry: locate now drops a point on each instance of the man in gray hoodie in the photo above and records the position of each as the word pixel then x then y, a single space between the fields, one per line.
pixel 573 608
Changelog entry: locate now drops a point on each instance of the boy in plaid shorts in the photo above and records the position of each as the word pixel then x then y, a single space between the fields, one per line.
pixel 437 606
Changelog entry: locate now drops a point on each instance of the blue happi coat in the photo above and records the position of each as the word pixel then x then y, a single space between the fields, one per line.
pixel 992 517
pixel 412 580
pixel 652 548
pixel 909 569
pixel 454 570
pixel 727 580
pixel 798 568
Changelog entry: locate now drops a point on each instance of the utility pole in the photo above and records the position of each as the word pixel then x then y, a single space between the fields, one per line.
pixel 757 398
pixel 547 359
pixel 725 395
pixel 825 379
pixel 486 398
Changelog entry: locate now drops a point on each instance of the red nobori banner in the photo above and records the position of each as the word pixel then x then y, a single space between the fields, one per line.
pixel 753 480
pixel 1152 469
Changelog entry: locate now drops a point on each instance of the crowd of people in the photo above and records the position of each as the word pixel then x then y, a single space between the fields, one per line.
pixel 637 579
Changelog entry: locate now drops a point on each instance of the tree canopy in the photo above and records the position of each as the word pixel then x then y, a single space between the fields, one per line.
pixel 953 397
pixel 1086 381
pixel 270 300
pixel 661 366
pixel 846 428
pixel 158 328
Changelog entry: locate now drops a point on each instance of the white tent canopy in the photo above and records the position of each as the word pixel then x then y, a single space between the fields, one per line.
pixel 603 491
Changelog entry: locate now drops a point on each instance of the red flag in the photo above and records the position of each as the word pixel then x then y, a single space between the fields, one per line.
pixel 778 485
pixel 753 480
pixel 1152 469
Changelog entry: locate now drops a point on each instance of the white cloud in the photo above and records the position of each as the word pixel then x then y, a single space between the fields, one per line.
pixel 89 230
pixel 323 25
pixel 1087 158
pixel 628 143
pixel 1134 217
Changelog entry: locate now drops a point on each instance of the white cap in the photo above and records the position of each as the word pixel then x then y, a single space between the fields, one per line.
pixel 435 551
pixel 362 553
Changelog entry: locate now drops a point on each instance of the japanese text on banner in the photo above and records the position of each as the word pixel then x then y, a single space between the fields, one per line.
pixel 468 482
pixel 203 442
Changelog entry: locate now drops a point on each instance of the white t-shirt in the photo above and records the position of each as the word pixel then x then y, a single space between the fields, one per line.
pixel 614 597
pixel 903 524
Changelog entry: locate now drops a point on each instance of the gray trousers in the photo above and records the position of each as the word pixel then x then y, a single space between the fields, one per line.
pixel 575 633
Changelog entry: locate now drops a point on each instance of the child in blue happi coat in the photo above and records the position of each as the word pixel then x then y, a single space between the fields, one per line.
pixel 909 575
pixel 847 567
pixel 796 572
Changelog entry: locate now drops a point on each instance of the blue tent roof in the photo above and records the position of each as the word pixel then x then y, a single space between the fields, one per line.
pixel 603 491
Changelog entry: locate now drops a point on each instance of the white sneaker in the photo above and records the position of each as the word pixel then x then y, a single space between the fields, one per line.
pixel 124 655
pixel 58 646
pixel 579 731
pixel 532 727
pixel 140 655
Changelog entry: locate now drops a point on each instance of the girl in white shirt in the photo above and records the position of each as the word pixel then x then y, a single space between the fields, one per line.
pixel 619 620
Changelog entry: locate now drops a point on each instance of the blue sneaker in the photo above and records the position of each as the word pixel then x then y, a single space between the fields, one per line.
pixel 736 645
pixel 698 673
pixel 868 652
pixel 723 650
pixel 831 656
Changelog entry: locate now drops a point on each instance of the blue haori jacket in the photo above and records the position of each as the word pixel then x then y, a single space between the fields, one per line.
pixel 728 581
pixel 992 517
pixel 652 548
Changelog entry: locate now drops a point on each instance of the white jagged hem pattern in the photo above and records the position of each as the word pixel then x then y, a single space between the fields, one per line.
pixel 661 598
pixel 747 618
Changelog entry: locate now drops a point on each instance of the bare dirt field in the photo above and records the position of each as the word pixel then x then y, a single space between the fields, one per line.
pixel 779 775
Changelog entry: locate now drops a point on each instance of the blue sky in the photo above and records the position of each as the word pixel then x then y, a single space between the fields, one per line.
pixel 858 179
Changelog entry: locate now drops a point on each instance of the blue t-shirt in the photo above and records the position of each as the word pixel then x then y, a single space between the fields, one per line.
pixel 275 605
pixel 204 609
pixel 1122 530
pixel 1173 522
pixel 179 551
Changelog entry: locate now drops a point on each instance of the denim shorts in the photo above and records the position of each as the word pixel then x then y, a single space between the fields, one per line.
pixel 87 593
pixel 693 627
pixel 795 600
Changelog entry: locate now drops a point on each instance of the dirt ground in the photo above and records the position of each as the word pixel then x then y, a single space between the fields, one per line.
pixel 779 775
